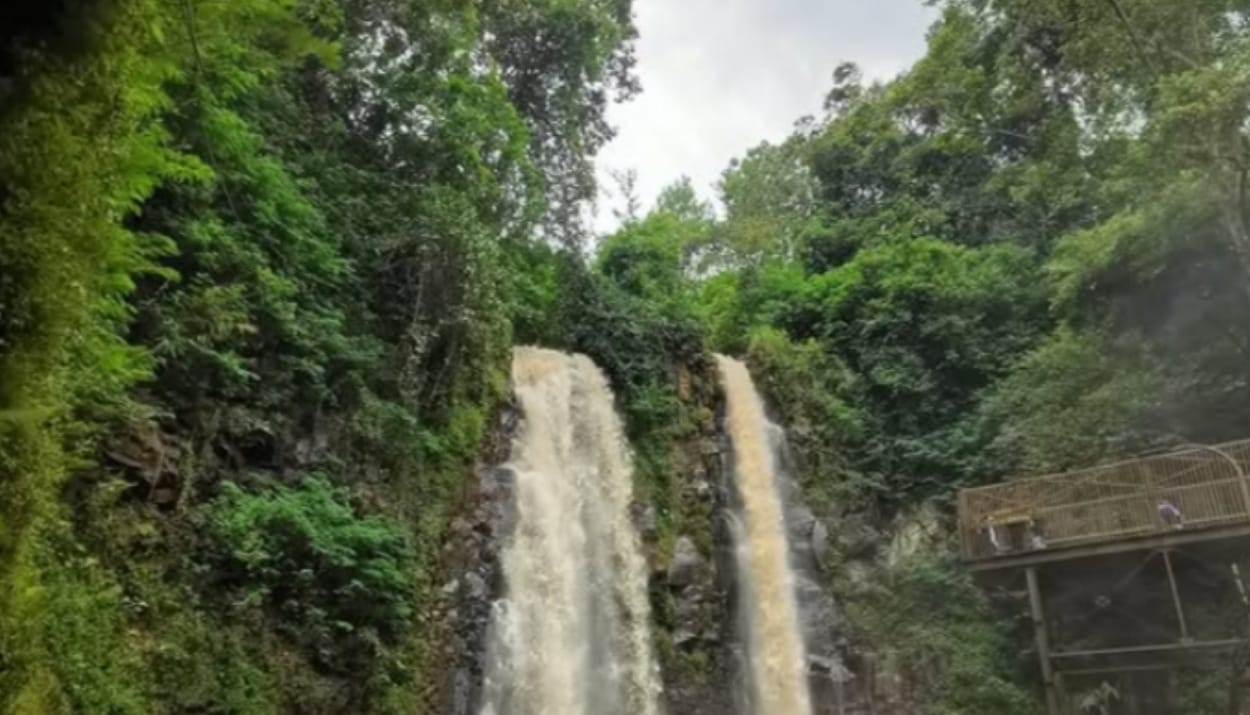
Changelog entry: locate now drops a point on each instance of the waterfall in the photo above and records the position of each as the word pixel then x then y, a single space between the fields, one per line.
pixel 571 634
pixel 766 582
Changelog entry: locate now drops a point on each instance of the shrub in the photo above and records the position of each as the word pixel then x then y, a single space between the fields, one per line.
pixel 337 582
pixel 959 650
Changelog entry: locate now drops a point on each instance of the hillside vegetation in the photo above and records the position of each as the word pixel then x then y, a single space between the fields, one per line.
pixel 262 263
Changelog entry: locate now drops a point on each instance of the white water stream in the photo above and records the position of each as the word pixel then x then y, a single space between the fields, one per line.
pixel 766 582
pixel 572 634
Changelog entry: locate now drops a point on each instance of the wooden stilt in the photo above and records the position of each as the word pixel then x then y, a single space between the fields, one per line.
pixel 1061 693
pixel 1176 596
pixel 1043 642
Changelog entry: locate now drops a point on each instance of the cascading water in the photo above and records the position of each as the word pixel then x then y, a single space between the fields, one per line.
pixel 766 583
pixel 571 635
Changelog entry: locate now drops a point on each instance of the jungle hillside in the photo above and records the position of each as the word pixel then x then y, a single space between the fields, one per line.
pixel 263 264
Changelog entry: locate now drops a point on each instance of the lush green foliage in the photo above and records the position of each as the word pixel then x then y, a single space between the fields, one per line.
pixel 924 326
pixel 243 242
pixel 1026 253
pixel 66 179
pixel 339 582
pixel 1007 259
pixel 958 650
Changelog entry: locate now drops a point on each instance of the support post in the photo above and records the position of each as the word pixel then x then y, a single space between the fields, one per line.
pixel 1043 641
pixel 1176 596
pixel 1061 693
pixel 1245 488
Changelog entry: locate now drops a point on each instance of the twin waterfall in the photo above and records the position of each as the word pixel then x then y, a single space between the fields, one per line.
pixel 765 581
pixel 571 635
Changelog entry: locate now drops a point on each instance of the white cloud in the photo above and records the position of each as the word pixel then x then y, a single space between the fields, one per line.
pixel 720 76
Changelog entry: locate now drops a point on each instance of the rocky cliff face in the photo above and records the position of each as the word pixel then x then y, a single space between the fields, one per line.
pixel 479 539
pixel 692 578
pixel 692 583
pixel 473 549
pixel 832 685
pixel 863 553
pixel 703 653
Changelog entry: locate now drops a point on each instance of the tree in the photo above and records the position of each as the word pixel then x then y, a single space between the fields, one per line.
pixel 1173 76
pixel 562 62
pixel 627 188
pixel 770 204
pixel 925 326
pixel 244 241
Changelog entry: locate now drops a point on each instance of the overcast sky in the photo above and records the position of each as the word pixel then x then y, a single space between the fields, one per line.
pixel 720 76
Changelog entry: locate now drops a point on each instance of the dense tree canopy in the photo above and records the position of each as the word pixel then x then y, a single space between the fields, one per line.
pixel 262 262
pixel 242 243
pixel 1021 254
pixel 1025 254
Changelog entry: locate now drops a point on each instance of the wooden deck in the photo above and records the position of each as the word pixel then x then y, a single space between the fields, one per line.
pixel 1190 494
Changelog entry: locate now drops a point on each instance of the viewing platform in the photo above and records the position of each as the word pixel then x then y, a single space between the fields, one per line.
pixel 1197 493
pixel 1123 566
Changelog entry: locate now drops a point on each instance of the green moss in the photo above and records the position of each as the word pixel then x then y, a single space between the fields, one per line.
pixel 78 150
pixel 95 656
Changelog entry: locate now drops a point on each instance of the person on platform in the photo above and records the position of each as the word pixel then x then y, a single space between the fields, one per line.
pixel 1171 514
pixel 991 531
pixel 1037 542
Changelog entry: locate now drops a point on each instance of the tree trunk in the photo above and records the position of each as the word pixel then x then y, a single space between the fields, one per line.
pixel 1231 181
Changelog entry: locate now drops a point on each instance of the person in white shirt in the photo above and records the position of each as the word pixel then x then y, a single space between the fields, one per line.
pixel 1170 514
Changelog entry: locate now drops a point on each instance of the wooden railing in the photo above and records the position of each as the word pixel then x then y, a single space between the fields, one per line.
pixel 1192 488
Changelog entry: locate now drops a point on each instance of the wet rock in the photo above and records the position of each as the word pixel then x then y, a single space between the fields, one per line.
pixel 915 532
pixel 475 587
pixel 702 490
pixel 819 540
pixel 858 574
pixel 476 540
pixel 151 457
pixel 799 521
pixel 684 638
pixel 463 692
pixel 820 619
pixel 646 522
pixel 856 538
pixel 493 481
pixel 312 448
pixel 451 587
pixel 684 567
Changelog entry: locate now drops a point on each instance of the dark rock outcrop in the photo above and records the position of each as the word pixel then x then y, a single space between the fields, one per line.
pixel 684 567
pixel 832 684
pixel 693 578
pixel 694 627
pixel 474 546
